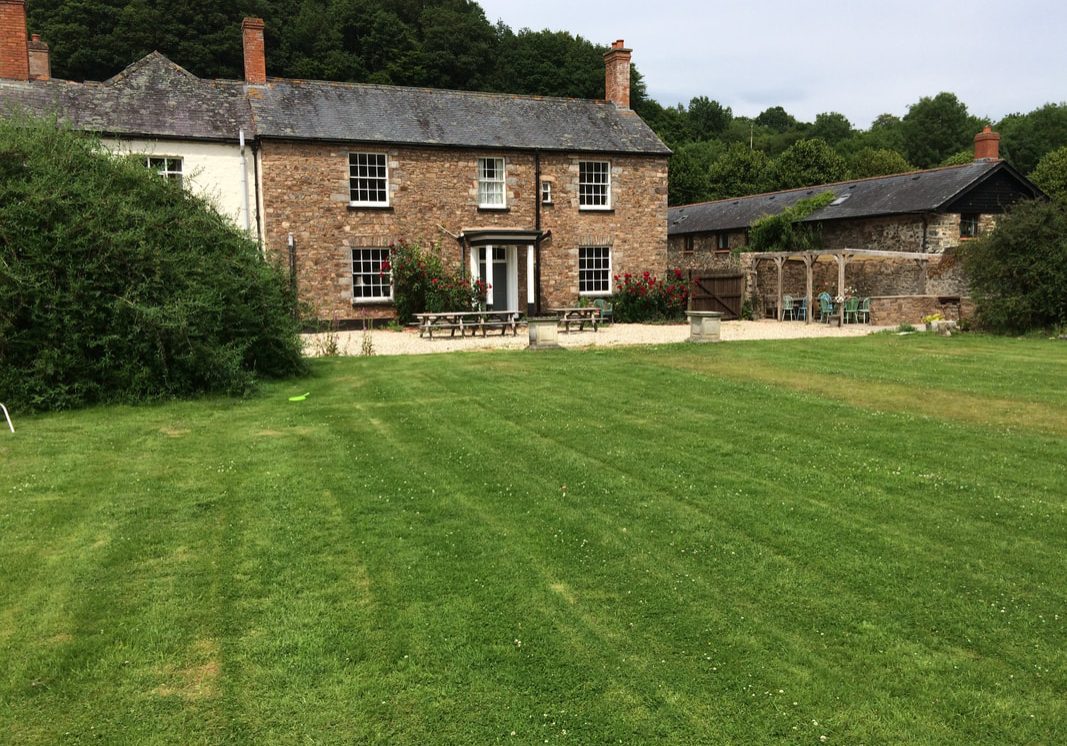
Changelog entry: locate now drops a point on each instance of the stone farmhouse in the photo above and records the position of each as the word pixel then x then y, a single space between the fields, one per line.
pixel 922 215
pixel 544 198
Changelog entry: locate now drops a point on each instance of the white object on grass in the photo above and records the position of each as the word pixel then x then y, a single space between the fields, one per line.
pixel 7 417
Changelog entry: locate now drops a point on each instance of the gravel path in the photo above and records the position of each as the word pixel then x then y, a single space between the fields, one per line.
pixel 408 342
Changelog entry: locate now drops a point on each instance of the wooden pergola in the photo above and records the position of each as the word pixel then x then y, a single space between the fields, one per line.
pixel 842 257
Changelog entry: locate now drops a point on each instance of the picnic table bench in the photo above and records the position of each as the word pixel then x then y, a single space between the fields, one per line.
pixel 580 316
pixel 462 321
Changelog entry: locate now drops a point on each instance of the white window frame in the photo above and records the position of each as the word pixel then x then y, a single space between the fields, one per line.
pixel 589 270
pixel 167 169
pixel 500 166
pixel 354 176
pixel 546 192
pixel 367 259
pixel 583 186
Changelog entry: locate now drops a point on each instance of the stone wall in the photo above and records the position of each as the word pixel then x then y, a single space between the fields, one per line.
pixel 911 309
pixel 701 252
pixel 433 196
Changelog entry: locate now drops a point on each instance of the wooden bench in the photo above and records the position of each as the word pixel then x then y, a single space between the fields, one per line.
pixel 580 316
pixel 475 321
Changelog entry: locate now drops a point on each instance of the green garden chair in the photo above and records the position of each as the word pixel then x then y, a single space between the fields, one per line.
pixel 864 311
pixel 788 309
pixel 826 307
pixel 606 315
pixel 852 307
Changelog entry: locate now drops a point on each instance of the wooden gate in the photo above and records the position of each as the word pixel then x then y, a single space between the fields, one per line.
pixel 722 292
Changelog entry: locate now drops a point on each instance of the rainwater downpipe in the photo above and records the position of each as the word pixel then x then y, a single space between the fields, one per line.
pixel 244 179
pixel 537 227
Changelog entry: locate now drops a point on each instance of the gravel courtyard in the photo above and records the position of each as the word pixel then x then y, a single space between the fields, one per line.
pixel 408 342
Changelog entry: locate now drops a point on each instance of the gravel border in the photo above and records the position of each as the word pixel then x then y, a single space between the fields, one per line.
pixel 408 342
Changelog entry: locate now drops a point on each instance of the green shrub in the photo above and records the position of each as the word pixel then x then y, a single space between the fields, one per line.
pixel 646 298
pixel 116 285
pixel 422 282
pixel 785 232
pixel 1018 273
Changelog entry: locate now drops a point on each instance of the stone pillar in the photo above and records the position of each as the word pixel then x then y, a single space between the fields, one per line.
pixel 704 326
pixel 544 333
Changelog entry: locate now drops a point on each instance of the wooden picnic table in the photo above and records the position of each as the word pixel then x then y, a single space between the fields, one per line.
pixel 581 316
pixel 462 321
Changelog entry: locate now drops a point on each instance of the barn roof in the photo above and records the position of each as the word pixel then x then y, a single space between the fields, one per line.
pixel 914 192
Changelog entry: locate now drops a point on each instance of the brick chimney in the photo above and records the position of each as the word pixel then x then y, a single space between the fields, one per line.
pixel 40 64
pixel 987 145
pixel 14 50
pixel 255 57
pixel 617 74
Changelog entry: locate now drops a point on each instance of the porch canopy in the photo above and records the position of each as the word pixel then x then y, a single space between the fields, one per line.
pixel 842 257
pixel 479 250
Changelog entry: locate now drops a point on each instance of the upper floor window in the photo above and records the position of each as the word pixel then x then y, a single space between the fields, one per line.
pixel 368 179
pixel 594 185
pixel 687 243
pixel 968 226
pixel 491 183
pixel 722 242
pixel 169 167
pixel 372 275
pixel 546 192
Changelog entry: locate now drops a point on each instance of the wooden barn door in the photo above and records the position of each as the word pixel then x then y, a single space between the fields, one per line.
pixel 717 292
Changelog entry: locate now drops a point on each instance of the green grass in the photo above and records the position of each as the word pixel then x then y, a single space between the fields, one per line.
pixel 747 543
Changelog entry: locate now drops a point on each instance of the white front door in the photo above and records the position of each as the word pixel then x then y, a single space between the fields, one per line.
pixel 498 266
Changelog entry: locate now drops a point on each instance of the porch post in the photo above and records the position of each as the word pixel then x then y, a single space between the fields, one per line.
pixel 531 281
pixel 808 283
pixel 474 262
pixel 488 275
pixel 842 259
pixel 778 262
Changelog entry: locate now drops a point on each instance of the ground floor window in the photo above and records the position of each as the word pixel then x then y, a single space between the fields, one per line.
pixel 968 226
pixel 722 242
pixel 594 270
pixel 372 275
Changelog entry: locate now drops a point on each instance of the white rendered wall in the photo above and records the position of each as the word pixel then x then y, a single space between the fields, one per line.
pixel 209 169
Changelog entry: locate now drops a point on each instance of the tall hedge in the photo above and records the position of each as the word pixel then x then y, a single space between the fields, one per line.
pixel 116 285
pixel 1018 273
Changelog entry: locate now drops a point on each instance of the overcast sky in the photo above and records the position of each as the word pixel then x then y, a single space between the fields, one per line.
pixel 857 57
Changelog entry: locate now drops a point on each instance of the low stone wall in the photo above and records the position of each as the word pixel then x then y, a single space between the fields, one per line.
pixel 891 310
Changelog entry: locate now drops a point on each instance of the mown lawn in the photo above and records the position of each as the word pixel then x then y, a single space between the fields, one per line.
pixel 862 540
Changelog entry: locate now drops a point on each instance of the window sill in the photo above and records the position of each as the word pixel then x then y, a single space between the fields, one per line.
pixel 594 294
pixel 597 209
pixel 493 208
pixel 369 206
pixel 372 301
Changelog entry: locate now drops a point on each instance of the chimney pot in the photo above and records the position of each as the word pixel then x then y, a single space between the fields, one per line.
pixel 617 74
pixel 255 55
pixel 987 145
pixel 14 49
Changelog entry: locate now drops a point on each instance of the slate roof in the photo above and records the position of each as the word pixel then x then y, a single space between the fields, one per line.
pixel 152 97
pixel 913 192
pixel 319 110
